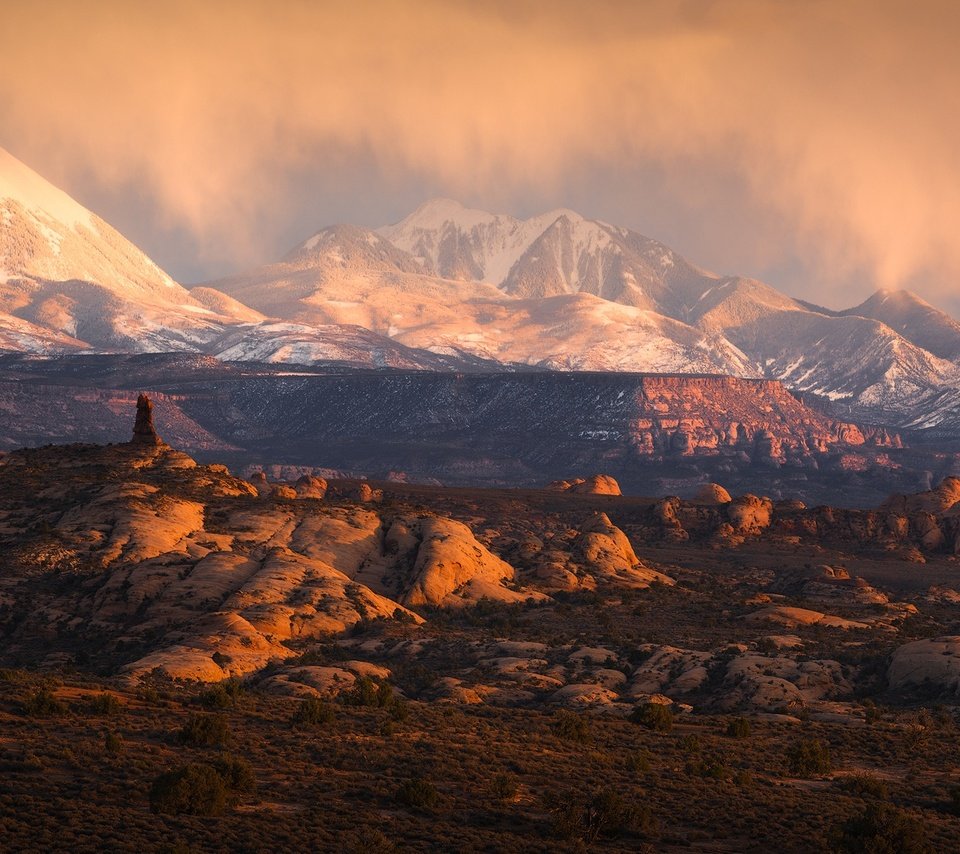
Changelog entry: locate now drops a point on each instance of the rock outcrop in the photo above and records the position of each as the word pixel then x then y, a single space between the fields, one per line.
pixel 932 663
pixel 711 494
pixel 598 484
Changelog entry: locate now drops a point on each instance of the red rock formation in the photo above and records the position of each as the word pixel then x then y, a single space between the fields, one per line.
pixel 144 432
pixel 689 416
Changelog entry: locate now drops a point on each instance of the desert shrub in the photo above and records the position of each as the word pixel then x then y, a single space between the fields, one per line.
pixel 691 743
pixel 148 694
pixel 206 731
pixel 223 695
pixel 195 789
pixel 605 814
pixel 709 767
pixel 13 676
pixel 808 758
pixel 881 829
pixel 738 728
pixel 368 840
pixel 399 710
pixel 312 711
pixel 366 692
pixel 43 703
pixel 105 703
pixel 112 742
pixel 955 800
pixel 571 726
pixel 653 716
pixel 418 794
pixel 865 786
pixel 638 762
pixel 504 787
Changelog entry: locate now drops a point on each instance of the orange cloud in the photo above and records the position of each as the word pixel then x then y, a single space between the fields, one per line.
pixel 840 118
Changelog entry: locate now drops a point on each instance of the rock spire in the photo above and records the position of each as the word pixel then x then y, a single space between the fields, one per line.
pixel 144 432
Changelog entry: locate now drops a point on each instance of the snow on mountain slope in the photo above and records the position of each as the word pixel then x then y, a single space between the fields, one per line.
pixel 63 268
pixel 840 356
pixel 282 342
pixel 553 253
pixel 348 275
pixel 916 320
pixel 578 332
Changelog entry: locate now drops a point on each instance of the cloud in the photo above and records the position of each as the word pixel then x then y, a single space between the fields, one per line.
pixel 838 122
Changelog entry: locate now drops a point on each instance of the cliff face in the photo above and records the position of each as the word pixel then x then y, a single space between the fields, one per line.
pixel 687 415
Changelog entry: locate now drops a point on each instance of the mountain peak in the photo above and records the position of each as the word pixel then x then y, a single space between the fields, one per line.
pixel 24 186
pixel 435 213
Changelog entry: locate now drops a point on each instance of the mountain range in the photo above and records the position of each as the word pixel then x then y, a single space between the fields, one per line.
pixel 450 288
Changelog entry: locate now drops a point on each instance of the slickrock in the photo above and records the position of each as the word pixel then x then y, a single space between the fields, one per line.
pixel 789 617
pixel 933 662
pixel 308 486
pixel 598 484
pixel 605 552
pixel 448 565
pixel 945 496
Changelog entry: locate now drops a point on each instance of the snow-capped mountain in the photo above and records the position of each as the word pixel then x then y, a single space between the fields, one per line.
pixel 70 281
pixel 354 276
pixel 449 287
pixel 559 252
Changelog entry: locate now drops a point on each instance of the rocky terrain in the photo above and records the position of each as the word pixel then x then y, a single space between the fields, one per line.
pixel 688 652
pixel 164 565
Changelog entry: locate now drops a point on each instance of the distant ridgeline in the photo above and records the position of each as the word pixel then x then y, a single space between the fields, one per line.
pixel 654 433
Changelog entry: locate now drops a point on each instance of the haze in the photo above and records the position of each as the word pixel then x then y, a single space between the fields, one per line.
pixel 809 144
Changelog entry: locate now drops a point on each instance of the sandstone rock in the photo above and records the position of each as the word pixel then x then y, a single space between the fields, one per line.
pixel 943 498
pixel 711 494
pixel 791 617
pixel 144 432
pixel 933 662
pixel 448 565
pixel 584 694
pixel 451 690
pixel 749 514
pixel 604 550
pixel 309 486
pixel 598 484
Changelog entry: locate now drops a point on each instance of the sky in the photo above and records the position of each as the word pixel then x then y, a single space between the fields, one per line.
pixel 809 143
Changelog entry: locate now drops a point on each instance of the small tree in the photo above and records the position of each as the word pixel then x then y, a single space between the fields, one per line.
pixel 195 789
pixel 206 731
pixel 571 726
pixel 43 703
pixel 881 829
pixel 418 793
pixel 738 728
pixel 312 712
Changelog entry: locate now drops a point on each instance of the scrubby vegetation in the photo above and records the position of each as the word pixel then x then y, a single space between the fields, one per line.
pixel 463 778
